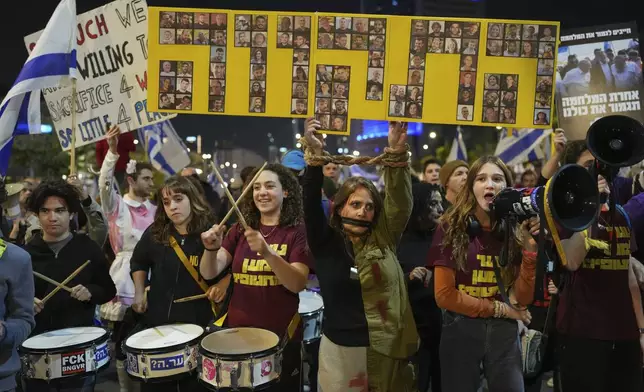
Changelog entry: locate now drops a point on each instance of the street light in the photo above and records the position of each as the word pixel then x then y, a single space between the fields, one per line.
pixel 136 141
pixel 425 146
pixel 298 136
pixel 432 135
pixel 234 166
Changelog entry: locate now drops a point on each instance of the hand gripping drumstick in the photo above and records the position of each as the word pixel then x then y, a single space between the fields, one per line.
pixel 64 282
pixel 46 279
pixel 249 186
pixel 232 200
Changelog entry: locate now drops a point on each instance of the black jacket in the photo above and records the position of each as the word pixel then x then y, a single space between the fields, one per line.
pixel 63 311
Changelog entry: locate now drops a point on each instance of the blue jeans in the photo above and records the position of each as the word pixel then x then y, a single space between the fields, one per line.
pixel 467 342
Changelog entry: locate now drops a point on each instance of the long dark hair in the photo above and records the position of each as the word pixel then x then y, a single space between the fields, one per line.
pixel 291 213
pixel 342 195
pixel 201 215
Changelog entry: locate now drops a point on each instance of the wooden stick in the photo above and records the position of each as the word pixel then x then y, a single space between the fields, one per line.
pixel 64 282
pixel 72 163
pixel 192 298
pixel 232 200
pixel 249 186
pixel 46 279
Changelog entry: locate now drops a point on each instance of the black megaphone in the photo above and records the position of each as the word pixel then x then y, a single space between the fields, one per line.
pixel 573 198
pixel 616 141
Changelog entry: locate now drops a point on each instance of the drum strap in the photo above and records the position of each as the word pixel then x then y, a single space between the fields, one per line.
pixel 191 270
pixel 290 331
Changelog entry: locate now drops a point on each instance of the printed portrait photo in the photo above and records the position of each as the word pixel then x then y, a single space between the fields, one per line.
pixel 166 101
pixel 415 77
pixel 166 36
pixel 547 33
pixel 303 24
pixel 301 73
pixel 342 41
pixel 359 42
pixel 490 115
pixel 217 87
pixel 218 21
pixel 217 54
pixel 452 45
pixel 325 40
pixel 185 69
pixel 470 46
pixel 465 113
pixel 323 89
pixel 184 20
pixel 377 26
pixel 258 72
pixel 375 75
pixel 511 48
pixel 256 105
pixel 339 123
pixel 341 73
pixel 167 20
pixel 340 106
pixel 218 37
pixel 298 106
pixel 528 49
pixel 435 45
pixel 184 36
pixel 512 32
pixel 376 42
pixel 541 117
pixel 242 22
pixel 491 98
pixel 542 100
pixel 494 47
pixel 374 92
pixel 418 45
pixel 545 67
pixel 284 40
pixel 471 30
pixel 242 39
pixel 258 56
pixel 414 94
pixel 466 96
pixel 546 50
pixel 414 110
pixel 436 28
pixel 259 39
pixel 183 102
pixel 324 73
pixel 166 84
pixel 418 27
pixel 285 23
pixel 218 71
pixel 324 120
pixel 260 22
pixel 453 29
pixel 376 59
pixel 507 116
pixel 416 61
pixel 495 31
pixel 300 90
pixel 202 37
pixel 301 57
pixel 341 90
pixel 167 68
pixel 216 104
pixel 322 106
pixel 184 85
pixel 343 24
pixel 468 63
pixel 258 89
pixel 544 83
pixel 361 25
pixel 530 32
pixel 326 24
pixel 202 20
pixel 397 109
pixel 510 82
pixel 509 99
pixel 492 81
pixel 301 41
pixel 398 92
pixel 467 80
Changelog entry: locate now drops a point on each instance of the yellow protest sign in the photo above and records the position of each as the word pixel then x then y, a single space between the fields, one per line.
pixel 339 67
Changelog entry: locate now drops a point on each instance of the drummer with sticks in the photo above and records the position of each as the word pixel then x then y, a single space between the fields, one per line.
pixel 270 262
pixel 73 259
pixel 171 249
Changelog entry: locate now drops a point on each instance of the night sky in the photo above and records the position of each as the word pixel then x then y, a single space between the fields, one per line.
pixel 32 15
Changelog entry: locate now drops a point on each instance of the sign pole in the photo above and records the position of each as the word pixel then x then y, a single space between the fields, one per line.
pixel 72 164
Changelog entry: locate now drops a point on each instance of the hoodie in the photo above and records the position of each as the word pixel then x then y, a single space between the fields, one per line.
pixel 63 311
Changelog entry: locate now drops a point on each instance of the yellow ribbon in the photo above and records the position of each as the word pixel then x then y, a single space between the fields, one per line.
pixel 551 225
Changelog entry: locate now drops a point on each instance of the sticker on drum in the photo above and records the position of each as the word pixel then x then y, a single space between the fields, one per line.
pixel 156 354
pixel 240 358
pixel 65 353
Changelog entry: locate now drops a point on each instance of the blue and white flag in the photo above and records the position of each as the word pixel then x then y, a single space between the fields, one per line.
pixel 166 151
pixel 52 63
pixel 458 150
pixel 521 145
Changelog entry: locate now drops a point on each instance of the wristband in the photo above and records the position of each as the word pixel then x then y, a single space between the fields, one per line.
pixel 212 250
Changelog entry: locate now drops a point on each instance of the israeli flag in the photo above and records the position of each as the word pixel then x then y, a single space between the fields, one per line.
pixel 458 150
pixel 166 151
pixel 52 63
pixel 521 145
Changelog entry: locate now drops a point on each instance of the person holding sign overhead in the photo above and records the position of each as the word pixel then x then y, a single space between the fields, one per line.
pixel 170 251
pixel 479 328
pixel 369 329
pixel 270 261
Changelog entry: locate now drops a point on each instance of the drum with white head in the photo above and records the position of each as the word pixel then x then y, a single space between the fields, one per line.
pixel 240 358
pixel 65 353
pixel 163 353
pixel 311 310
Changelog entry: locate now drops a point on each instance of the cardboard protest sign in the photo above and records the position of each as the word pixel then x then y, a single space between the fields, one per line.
pixel 112 61
pixel 339 67
pixel 600 74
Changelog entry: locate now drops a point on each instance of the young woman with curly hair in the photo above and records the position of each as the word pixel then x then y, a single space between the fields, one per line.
pixel 184 215
pixel 478 328
pixel 270 263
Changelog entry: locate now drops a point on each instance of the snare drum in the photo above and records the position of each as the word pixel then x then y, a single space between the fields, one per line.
pixel 163 353
pixel 240 358
pixel 65 353
pixel 312 311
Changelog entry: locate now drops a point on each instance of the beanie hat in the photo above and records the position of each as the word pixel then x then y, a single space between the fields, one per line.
pixel 446 171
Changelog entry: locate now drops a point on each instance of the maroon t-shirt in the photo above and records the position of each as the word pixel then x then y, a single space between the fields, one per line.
pixel 259 300
pixel 478 279
pixel 597 302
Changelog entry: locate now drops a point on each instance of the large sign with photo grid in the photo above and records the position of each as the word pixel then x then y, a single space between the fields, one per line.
pixel 339 67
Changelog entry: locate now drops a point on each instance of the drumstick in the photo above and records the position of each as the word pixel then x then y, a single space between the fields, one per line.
pixel 64 282
pixel 192 298
pixel 46 279
pixel 249 186
pixel 232 200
